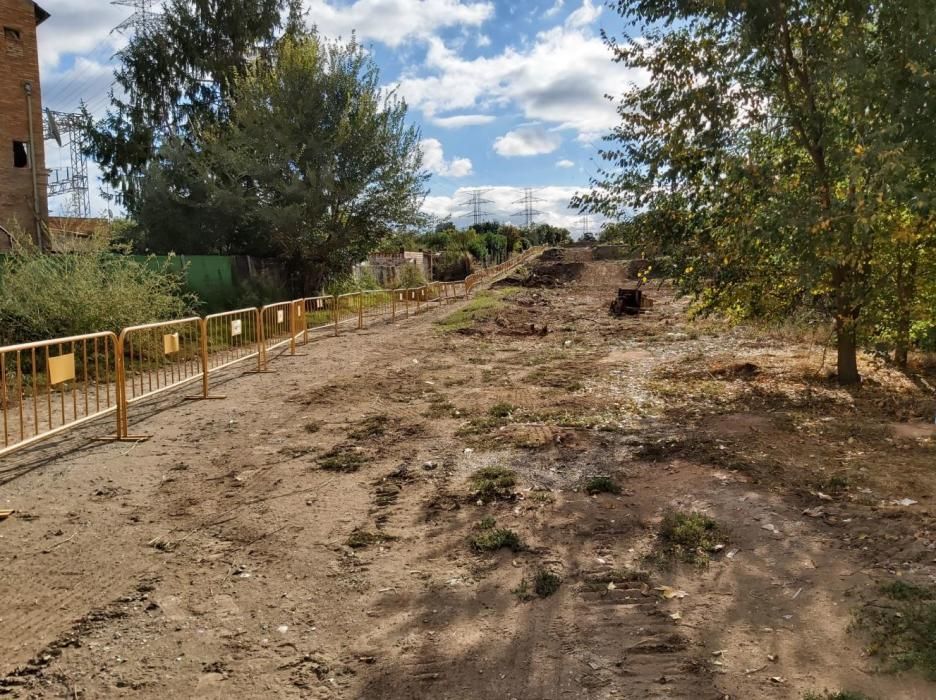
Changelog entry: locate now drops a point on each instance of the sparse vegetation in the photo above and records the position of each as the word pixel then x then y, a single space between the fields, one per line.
pixel 313 426
pixel 490 538
pixel 601 484
pixel 371 427
pixel 546 582
pixel 902 628
pixel 689 537
pixel 501 410
pixel 342 459
pixel 493 483
pixel 836 695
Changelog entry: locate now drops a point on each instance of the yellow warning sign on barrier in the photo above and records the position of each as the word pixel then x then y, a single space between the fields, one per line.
pixel 280 316
pixel 236 327
pixel 61 369
pixel 171 343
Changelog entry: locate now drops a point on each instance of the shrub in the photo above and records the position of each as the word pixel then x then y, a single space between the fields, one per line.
pixel 689 536
pixel 601 484
pixel 490 538
pixel 545 583
pixel 86 291
pixel 493 483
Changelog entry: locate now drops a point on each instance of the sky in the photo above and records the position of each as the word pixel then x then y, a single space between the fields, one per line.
pixel 507 95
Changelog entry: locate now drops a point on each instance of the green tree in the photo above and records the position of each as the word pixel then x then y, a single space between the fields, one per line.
pixel 315 163
pixel 767 138
pixel 177 75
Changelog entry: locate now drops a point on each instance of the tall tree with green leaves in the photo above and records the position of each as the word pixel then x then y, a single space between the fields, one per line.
pixel 314 162
pixel 176 75
pixel 765 140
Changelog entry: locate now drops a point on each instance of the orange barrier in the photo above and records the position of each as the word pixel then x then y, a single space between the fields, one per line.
pixel 50 386
pixel 229 338
pixel 317 313
pixel 155 357
pixel 278 328
pixel 377 305
pixel 348 310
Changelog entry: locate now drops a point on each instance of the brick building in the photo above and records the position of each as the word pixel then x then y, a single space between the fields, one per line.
pixel 23 177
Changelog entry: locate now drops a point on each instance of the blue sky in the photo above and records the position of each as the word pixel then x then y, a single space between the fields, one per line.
pixel 508 95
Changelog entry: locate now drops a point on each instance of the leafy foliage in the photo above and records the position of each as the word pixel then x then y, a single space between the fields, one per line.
pixel 88 290
pixel 780 154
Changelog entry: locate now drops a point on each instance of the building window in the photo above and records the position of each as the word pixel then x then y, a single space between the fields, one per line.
pixel 20 154
pixel 13 40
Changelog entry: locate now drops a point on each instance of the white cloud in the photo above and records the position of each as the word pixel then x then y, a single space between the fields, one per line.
pixel 79 27
pixel 585 15
pixel 527 141
pixel 393 22
pixel 561 78
pixel 555 9
pixel 553 202
pixel 565 163
pixel 434 160
pixel 460 120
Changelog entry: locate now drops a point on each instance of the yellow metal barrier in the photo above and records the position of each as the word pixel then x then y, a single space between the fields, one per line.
pixel 50 386
pixel 154 358
pixel 348 310
pixel 377 305
pixel 318 314
pixel 229 338
pixel 278 328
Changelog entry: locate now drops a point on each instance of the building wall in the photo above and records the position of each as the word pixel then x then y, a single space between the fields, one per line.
pixel 19 63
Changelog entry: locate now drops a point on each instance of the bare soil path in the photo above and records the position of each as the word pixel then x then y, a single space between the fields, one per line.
pixel 309 535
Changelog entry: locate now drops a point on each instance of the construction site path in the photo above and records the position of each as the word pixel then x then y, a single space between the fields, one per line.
pixel 310 535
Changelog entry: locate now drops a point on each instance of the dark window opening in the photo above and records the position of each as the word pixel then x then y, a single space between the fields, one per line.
pixel 20 154
pixel 11 34
pixel 13 40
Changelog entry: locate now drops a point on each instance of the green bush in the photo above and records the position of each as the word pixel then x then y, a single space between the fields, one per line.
pixel 88 290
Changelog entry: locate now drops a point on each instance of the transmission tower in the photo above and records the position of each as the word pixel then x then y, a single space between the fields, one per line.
pixel 529 212
pixel 67 131
pixel 584 225
pixel 143 17
pixel 476 201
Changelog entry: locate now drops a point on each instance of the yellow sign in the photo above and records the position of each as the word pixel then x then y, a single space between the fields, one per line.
pixel 171 343
pixel 236 327
pixel 280 316
pixel 61 369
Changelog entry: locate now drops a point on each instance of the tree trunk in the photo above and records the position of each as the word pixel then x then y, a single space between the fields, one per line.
pixel 846 328
pixel 846 341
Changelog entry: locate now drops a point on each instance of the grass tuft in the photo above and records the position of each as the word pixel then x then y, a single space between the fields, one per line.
pixel 689 537
pixel 902 628
pixel 501 410
pixel 601 484
pixel 490 538
pixel 372 427
pixel 493 483
pixel 545 582
pixel 836 695
pixel 342 460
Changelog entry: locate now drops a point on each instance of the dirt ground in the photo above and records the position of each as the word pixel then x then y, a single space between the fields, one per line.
pixel 308 536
